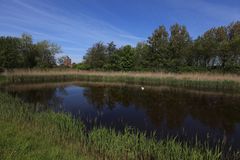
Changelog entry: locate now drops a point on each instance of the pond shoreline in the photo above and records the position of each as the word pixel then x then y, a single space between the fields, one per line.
pixel 200 81
pixel 68 137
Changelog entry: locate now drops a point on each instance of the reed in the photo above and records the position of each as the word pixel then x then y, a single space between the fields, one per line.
pixel 209 76
pixel 203 81
pixel 2 79
pixel 29 134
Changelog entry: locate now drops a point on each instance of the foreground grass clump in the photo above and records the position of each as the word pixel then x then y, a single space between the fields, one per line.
pixel 203 81
pixel 2 79
pixel 28 134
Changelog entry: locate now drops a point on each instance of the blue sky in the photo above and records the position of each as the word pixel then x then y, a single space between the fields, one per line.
pixel 77 24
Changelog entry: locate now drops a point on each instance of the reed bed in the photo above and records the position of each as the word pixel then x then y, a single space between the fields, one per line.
pixel 207 76
pixel 2 79
pixel 28 134
pixel 204 81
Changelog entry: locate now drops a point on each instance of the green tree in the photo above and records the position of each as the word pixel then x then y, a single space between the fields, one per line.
pixel 10 56
pixel 234 44
pixel 215 46
pixel 180 44
pixel 23 53
pixel 222 42
pixel 96 56
pixel 159 45
pixel 46 52
pixel 206 47
pixel 200 56
pixel 126 59
pixel 27 51
pixel 110 51
pixel 142 53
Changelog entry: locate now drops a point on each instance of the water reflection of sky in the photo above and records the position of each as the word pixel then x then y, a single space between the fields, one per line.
pixel 169 112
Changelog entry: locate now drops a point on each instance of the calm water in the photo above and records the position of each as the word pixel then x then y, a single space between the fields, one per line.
pixel 170 112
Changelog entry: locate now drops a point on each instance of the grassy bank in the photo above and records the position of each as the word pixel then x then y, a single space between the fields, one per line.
pixel 204 81
pixel 2 79
pixel 27 134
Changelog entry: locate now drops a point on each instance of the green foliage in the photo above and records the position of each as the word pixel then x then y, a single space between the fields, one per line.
pixel 2 79
pixel 27 51
pixel 28 134
pixel 218 48
pixel 81 66
pixel 173 50
pixel 180 42
pixel 46 52
pixel 23 53
pixel 96 56
pixel 200 84
pixel 10 57
pixel 159 45
pixel 126 58
pixel 141 58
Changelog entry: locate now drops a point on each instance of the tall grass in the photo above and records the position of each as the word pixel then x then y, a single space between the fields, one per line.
pixel 205 81
pixel 27 134
pixel 2 79
pixel 209 76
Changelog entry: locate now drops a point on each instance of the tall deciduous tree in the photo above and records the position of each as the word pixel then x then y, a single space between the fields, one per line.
pixel 222 42
pixel 180 43
pixel 110 51
pixel 22 53
pixel 234 38
pixel 214 46
pixel 28 54
pixel 126 58
pixel 96 56
pixel 159 45
pixel 46 52
pixel 141 59
pixel 10 56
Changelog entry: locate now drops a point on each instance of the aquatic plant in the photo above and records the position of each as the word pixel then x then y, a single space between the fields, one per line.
pixel 29 134
pixel 201 81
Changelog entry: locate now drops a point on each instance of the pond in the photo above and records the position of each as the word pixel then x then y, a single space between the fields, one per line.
pixel 169 112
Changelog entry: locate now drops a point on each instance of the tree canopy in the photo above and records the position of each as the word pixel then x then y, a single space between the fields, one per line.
pixel 173 50
pixel 170 49
pixel 23 53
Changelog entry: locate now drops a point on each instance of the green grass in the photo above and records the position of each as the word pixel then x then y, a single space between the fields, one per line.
pixel 213 85
pixel 20 142
pixel 2 79
pixel 27 134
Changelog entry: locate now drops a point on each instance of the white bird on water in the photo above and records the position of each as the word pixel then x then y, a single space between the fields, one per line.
pixel 142 88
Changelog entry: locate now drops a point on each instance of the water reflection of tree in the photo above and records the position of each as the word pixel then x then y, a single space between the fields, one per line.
pixel 100 97
pixel 45 98
pixel 174 106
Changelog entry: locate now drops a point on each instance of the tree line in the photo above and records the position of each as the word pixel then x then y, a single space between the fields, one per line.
pixel 21 52
pixel 173 50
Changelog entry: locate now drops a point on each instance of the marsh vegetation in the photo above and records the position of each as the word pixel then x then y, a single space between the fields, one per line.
pixel 202 81
pixel 161 121
pixel 28 134
pixel 118 121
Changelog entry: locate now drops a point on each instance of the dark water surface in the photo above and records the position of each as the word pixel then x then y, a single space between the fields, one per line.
pixel 185 114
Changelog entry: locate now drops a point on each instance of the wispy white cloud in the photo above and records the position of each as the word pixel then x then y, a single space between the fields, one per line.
pixel 45 21
pixel 215 10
